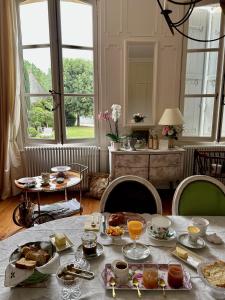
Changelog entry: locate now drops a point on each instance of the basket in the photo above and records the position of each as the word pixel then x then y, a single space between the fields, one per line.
pixel 36 277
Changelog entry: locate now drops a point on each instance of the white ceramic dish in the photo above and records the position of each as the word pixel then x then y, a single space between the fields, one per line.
pixel 60 169
pixel 193 259
pixel 217 292
pixel 68 245
pixel 26 180
pixel 184 240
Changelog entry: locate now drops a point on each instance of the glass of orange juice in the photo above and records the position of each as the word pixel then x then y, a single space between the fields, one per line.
pixel 135 228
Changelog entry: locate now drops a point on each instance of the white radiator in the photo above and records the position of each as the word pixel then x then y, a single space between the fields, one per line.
pixel 43 158
pixel 189 156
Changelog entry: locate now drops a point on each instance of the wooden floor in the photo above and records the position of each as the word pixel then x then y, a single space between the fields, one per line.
pixel 7 227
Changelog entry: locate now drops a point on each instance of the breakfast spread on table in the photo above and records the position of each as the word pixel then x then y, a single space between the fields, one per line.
pixel 120 274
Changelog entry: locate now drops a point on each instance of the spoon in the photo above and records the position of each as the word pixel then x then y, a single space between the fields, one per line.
pixel 113 283
pixel 162 284
pixel 136 284
pixel 93 222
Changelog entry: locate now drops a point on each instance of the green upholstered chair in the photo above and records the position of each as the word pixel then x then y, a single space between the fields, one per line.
pixel 199 195
pixel 131 194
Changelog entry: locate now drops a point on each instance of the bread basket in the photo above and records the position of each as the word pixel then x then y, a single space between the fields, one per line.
pixel 42 273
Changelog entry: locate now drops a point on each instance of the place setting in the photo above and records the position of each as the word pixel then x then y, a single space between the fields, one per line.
pixel 160 232
pixel 196 235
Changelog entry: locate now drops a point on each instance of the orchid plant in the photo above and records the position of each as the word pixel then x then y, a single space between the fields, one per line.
pixel 109 117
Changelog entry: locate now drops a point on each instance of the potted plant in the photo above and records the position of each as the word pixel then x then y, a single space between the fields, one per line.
pixel 138 117
pixel 171 132
pixel 112 119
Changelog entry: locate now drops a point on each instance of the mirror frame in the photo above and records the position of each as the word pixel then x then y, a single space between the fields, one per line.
pixel 126 121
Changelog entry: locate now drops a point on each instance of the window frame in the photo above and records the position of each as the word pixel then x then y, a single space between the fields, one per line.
pixel 218 88
pixel 56 47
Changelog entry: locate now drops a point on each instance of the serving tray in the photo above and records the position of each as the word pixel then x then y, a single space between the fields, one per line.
pixel 136 271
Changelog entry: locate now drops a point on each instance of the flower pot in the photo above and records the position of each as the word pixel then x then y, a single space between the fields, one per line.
pixel 171 143
pixel 115 146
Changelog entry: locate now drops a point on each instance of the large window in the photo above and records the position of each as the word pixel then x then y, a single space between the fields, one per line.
pixel 202 74
pixel 58 50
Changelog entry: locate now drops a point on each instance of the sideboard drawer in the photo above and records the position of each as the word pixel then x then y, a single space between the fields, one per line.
pixel 165 174
pixel 164 160
pixel 135 161
pixel 141 172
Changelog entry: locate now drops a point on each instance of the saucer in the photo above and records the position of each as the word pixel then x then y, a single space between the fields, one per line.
pixel 171 235
pixel 141 251
pixel 184 240
pixel 99 251
pixel 60 169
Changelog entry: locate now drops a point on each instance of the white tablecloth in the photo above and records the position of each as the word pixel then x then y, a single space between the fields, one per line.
pixel 94 289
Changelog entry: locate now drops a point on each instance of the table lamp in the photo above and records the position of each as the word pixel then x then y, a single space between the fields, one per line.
pixel 172 119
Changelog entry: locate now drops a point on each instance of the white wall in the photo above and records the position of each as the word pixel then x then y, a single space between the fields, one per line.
pixel 119 20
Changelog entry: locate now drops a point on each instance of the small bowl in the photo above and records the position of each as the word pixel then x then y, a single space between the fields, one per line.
pixel 115 236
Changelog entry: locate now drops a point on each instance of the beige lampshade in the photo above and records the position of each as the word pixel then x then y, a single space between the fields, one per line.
pixel 171 116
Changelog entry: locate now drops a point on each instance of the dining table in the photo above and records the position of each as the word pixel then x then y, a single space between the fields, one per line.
pixel 95 289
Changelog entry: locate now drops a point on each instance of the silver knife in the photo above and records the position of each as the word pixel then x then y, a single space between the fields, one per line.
pixel 103 227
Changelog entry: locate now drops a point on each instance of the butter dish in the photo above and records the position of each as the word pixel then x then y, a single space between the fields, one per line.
pixel 68 244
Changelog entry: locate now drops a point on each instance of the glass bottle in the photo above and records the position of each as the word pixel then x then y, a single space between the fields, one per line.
pixel 155 142
pixel 150 140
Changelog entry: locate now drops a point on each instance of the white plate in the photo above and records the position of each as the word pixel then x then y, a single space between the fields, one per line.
pixel 68 245
pixel 60 169
pixel 171 236
pixel 184 240
pixel 193 259
pixel 26 180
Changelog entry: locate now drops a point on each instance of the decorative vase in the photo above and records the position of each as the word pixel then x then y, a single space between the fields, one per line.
pixel 115 146
pixel 171 144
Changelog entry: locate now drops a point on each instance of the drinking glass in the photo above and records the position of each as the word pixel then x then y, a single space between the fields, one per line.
pixel 135 228
pixel 175 275
pixel 71 287
pixel 150 277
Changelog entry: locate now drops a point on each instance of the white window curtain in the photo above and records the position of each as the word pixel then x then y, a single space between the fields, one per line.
pixel 11 166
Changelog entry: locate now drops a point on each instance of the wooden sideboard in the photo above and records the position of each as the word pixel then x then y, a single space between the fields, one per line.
pixel 162 167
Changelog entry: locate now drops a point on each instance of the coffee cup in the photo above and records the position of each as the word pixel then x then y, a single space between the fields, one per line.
pixel 121 271
pixel 201 223
pixel 159 226
pixel 193 233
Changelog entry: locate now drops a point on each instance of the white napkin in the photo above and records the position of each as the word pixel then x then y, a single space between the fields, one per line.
pixel 214 238
pixel 51 266
pixel 95 217
pixel 14 276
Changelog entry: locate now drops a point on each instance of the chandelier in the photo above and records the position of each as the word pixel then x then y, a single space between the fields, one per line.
pixel 166 12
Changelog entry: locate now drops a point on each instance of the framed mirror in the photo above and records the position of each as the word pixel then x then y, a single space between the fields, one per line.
pixel 140 81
